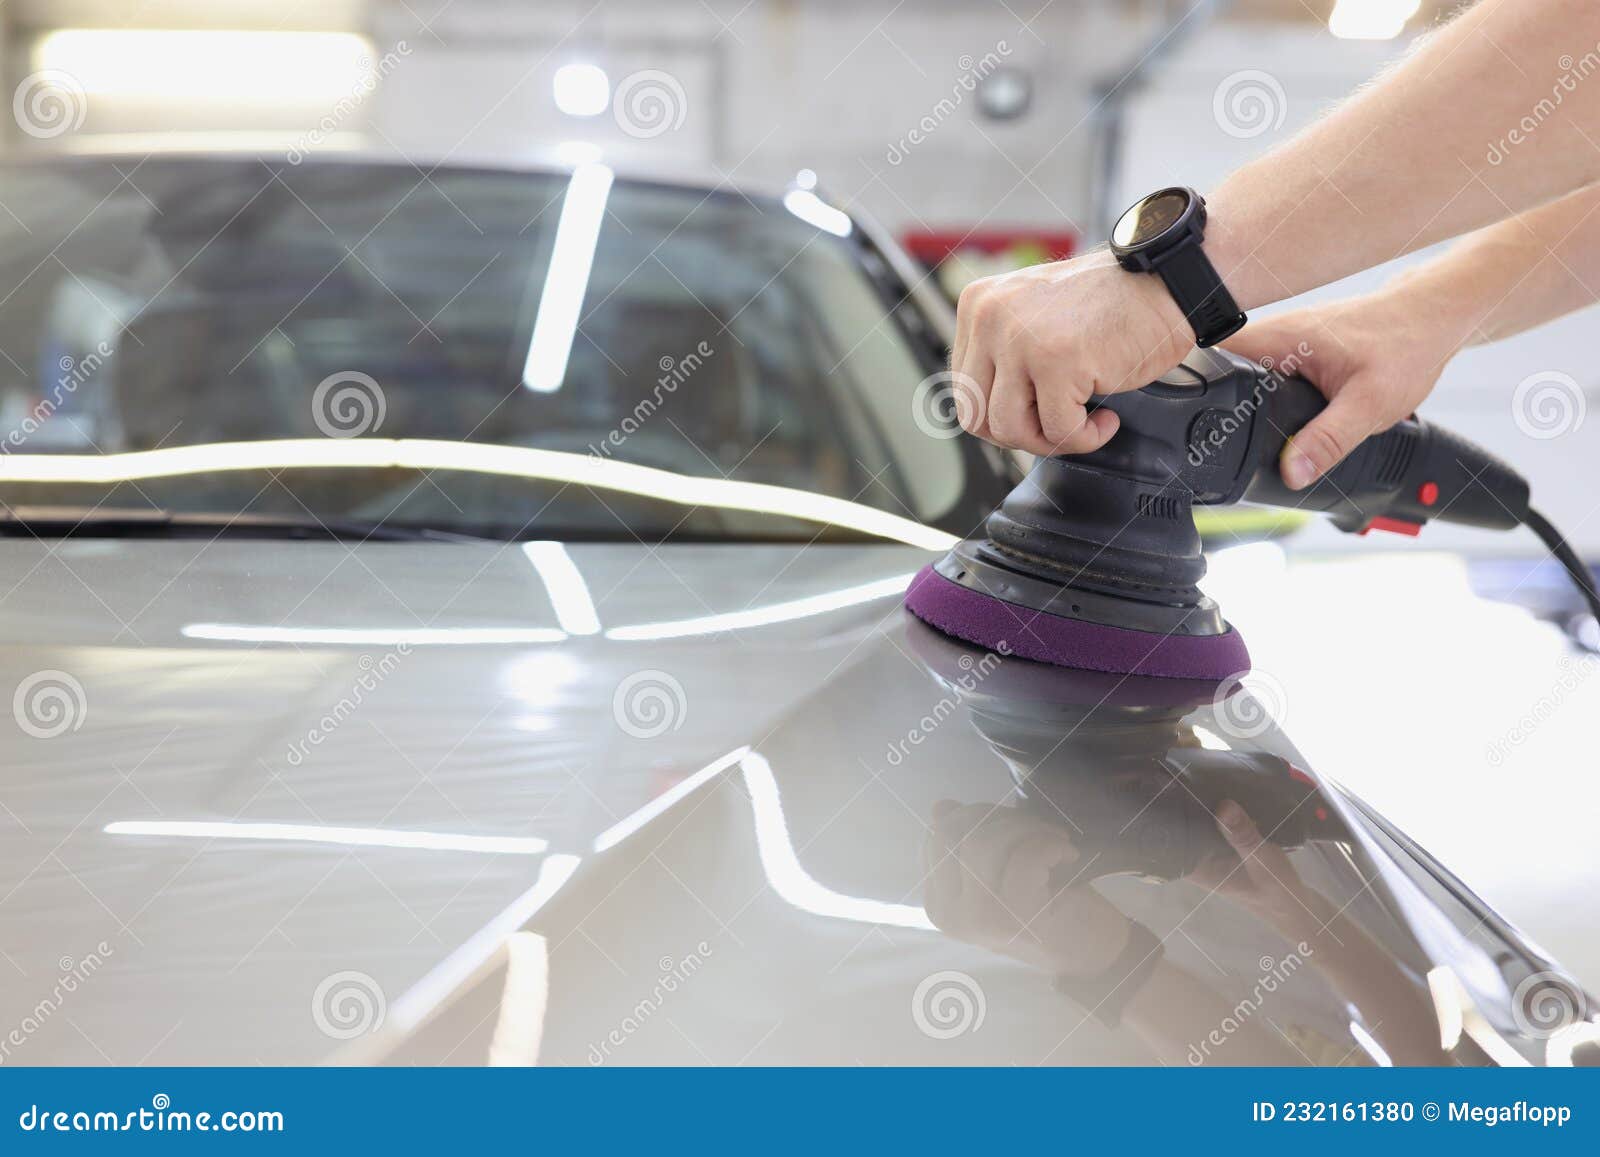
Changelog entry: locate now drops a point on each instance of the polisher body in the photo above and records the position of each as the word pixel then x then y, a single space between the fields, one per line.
pixel 1094 561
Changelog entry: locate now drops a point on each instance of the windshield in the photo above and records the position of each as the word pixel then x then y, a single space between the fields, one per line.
pixel 509 354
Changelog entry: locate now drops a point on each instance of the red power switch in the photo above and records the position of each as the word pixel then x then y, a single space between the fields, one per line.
pixel 1393 526
pixel 1428 493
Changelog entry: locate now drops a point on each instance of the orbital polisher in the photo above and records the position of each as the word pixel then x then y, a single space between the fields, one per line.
pixel 1093 560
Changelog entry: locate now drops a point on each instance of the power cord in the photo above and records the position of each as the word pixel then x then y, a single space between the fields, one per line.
pixel 1566 556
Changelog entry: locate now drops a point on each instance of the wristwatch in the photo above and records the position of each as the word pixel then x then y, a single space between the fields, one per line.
pixel 1161 234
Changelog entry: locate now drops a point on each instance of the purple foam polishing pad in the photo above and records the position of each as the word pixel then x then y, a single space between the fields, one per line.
pixel 989 622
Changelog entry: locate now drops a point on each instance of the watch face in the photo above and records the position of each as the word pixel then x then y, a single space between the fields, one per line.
pixel 1150 218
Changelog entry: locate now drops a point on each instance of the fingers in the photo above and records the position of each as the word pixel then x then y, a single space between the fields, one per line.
pixel 1013 413
pixel 1079 433
pixel 973 383
pixel 966 309
pixel 1021 416
pixel 1040 342
pixel 1324 441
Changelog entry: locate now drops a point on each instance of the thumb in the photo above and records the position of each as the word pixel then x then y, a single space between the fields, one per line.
pixel 1324 441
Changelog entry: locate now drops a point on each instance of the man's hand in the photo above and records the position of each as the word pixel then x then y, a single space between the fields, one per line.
pixel 1036 344
pixel 1374 357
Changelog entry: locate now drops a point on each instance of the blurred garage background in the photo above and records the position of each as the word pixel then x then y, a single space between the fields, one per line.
pixel 983 134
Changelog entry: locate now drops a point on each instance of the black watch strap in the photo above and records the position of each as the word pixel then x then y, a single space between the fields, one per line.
pixel 1106 995
pixel 1196 287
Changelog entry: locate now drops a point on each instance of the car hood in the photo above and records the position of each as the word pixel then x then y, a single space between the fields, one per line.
pixel 299 802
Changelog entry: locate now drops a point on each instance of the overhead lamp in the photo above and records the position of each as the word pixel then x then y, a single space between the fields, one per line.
pixel 276 68
pixel 581 90
pixel 1371 19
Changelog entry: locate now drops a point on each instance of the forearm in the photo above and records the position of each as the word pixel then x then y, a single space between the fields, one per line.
pixel 1509 277
pixel 1407 162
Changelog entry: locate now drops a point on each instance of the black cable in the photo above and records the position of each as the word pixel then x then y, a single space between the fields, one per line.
pixel 1566 556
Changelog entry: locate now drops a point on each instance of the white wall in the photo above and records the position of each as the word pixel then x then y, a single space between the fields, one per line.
pixel 831 86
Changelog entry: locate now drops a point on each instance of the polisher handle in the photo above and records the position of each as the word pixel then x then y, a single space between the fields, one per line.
pixel 1397 480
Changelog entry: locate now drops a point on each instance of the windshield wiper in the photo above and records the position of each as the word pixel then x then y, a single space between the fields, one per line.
pixel 152 522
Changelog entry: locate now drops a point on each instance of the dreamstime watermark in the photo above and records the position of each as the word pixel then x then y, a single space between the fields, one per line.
pixel 973 73
pixel 674 372
pixel 948 1004
pixel 1549 404
pixel 973 672
pixel 348 404
pixel 73 974
pixel 1572 72
pixel 1248 103
pixel 49 103
pixel 648 103
pixel 1573 673
pixel 673 974
pixel 74 372
pixel 1545 1003
pixel 1248 704
pixel 1274 974
pixel 372 673
pixel 348 105
pixel 649 703
pixel 49 703
pixel 1212 428
pixel 348 1004
pixel 160 1117
pixel 946 403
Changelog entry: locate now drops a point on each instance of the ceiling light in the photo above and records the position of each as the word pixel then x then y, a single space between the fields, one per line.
pixel 1371 19
pixel 582 90
pixel 276 68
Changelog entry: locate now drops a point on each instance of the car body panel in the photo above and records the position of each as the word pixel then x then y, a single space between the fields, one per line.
pixel 537 789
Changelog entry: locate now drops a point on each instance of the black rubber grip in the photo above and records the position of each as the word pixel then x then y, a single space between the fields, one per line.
pixel 1412 473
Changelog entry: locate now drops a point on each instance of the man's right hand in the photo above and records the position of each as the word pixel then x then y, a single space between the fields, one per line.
pixel 1033 346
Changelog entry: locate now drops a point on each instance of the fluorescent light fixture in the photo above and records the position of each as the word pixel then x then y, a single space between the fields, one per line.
pixel 569 594
pixel 806 179
pixel 318 834
pixel 813 210
pixel 374 636
pixel 478 458
pixel 788 876
pixel 1371 19
pixel 764 616
pixel 581 90
pixel 583 209
pixel 269 68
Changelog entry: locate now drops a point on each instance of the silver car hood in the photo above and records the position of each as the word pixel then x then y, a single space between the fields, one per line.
pixel 301 802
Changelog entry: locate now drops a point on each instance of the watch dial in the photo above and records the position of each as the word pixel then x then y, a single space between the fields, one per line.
pixel 1150 218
